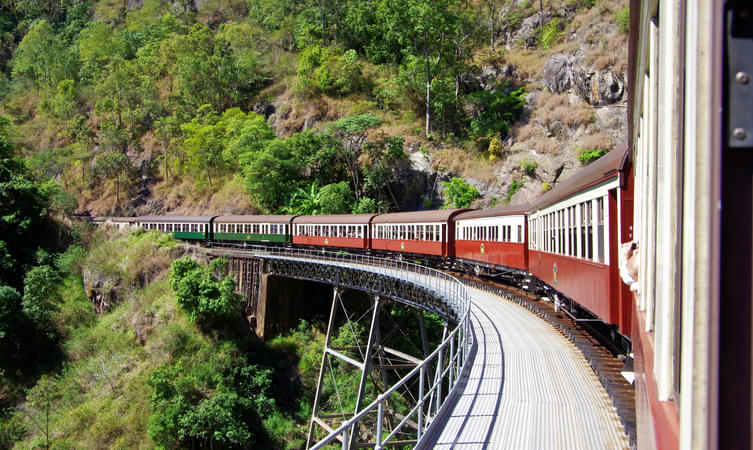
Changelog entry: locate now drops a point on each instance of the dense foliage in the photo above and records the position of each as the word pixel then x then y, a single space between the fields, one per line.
pixel 126 95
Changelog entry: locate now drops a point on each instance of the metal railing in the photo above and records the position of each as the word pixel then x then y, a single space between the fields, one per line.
pixel 447 361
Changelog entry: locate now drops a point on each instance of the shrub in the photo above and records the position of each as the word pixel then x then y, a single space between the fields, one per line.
pixel 365 205
pixel 623 20
pixel 529 167
pixel 550 33
pixel 207 298
pixel 498 110
pixel 588 156
pixel 459 193
pixel 546 187
pixel 513 189
pixel 336 198
pixel 495 149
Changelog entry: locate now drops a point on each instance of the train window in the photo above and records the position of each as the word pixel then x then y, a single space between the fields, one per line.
pixel 600 228
pixel 561 231
pixel 588 232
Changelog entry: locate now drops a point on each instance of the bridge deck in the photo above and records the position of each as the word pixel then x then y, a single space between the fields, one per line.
pixel 528 387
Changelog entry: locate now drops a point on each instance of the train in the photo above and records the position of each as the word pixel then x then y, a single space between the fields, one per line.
pixel 563 246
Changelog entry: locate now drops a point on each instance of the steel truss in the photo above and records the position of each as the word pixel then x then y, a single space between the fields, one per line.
pixel 420 393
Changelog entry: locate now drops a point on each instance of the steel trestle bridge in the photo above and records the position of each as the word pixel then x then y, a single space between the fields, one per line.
pixel 453 396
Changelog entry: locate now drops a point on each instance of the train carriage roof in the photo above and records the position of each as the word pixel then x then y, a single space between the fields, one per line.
pixel 255 219
pixel 113 219
pixel 174 219
pixel 503 211
pixel 438 215
pixel 604 168
pixel 335 219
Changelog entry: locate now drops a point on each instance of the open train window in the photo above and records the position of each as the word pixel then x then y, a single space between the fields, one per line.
pixel 600 228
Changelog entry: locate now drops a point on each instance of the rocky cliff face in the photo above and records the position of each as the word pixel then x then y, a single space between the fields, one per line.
pixel 576 101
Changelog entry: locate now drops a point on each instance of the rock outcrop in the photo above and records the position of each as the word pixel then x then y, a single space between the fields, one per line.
pixel 558 73
pixel 599 87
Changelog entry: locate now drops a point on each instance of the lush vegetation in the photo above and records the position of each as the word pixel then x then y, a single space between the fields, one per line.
pixel 228 106
pixel 106 95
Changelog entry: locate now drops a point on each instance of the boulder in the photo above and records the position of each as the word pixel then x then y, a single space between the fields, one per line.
pixel 558 73
pixel 599 87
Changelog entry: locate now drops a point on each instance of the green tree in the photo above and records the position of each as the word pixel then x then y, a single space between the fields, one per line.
pixel 167 130
pixel 113 163
pixel 365 206
pixel 40 405
pixel 459 193
pixel 24 223
pixel 208 299
pixel 423 28
pixel 243 132
pixel 386 161
pixel 270 174
pixel 41 57
pixel 204 142
pixel 41 297
pixel 336 198
pixel 498 110
pixel 12 321
pixel 353 131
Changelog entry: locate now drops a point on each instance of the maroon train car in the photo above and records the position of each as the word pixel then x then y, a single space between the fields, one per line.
pixel 574 232
pixel 494 238
pixel 337 231
pixel 419 232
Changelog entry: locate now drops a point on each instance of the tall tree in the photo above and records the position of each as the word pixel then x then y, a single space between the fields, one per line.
pixel 41 57
pixel 353 131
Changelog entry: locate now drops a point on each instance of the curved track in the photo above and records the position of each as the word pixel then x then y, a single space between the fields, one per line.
pixel 528 388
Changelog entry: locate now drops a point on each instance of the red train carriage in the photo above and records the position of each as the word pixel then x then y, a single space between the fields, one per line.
pixel 574 232
pixel 339 230
pixel 494 238
pixel 419 232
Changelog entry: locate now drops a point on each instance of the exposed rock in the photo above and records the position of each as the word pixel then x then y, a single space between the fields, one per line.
pixel 101 292
pixel 525 36
pixel 558 73
pixel 599 87
pixel 264 109
pixel 612 121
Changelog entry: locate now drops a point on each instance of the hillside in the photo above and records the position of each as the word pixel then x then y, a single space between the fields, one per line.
pixel 244 106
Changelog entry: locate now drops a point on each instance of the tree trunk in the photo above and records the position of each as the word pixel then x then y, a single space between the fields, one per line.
pixel 541 13
pixel 491 32
pixel 428 93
